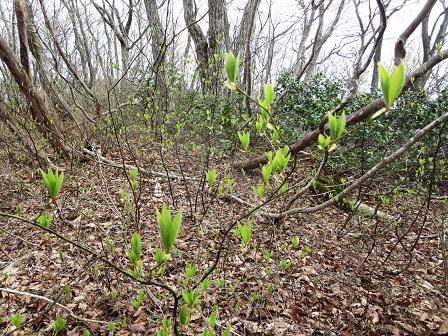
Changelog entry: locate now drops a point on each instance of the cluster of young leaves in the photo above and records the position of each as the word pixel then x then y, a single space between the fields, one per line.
pixel 337 129
pixel 231 66
pixel 135 253
pixel 53 182
pixel 391 83
pixel 44 220
pixel 133 176
pixel 245 232
pixel 169 228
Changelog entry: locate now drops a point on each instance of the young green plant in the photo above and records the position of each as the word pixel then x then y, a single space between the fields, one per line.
pixel 53 182
pixel 169 228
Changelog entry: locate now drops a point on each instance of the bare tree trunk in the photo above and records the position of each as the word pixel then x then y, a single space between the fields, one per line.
pixel 376 60
pixel 37 106
pixel 243 45
pixel 199 39
pixel 158 42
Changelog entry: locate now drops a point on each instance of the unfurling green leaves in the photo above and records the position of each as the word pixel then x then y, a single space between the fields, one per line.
pixel 159 256
pixel 135 253
pixel 245 232
pixel 53 182
pixel 323 141
pixel 244 139
pixel 265 104
pixel 268 94
pixel 231 67
pixel 337 126
pixel 281 159
pixel 133 176
pixel 259 190
pixel 16 320
pixel 137 301
pixel 266 171
pixel 191 297
pixel 169 228
pixel 391 83
pixel 59 324
pixel 44 220
pixel 211 177
pixel 184 316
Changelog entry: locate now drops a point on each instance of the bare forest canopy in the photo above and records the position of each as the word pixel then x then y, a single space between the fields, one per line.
pixel 243 167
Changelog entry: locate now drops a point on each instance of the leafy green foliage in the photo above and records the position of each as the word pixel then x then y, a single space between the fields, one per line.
pixel 391 83
pixel 285 264
pixel 16 320
pixel 159 256
pixel 133 176
pixel 244 139
pixel 231 68
pixel 137 301
pixel 184 315
pixel 259 190
pixel 59 324
pixel 169 228
pixel 245 232
pixel 294 241
pixel 166 326
pixel 211 177
pixel 44 220
pixel 53 182
pixel 266 171
pixel 191 297
pixel 135 253
pixel 111 326
pixel 337 126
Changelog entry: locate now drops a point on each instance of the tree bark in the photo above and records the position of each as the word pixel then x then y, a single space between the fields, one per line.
pixel 37 106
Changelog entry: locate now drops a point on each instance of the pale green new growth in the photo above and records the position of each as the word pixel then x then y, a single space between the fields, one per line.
pixel 169 228
pixel 53 182
pixel 231 67
pixel 391 84
pixel 211 177
pixel 244 139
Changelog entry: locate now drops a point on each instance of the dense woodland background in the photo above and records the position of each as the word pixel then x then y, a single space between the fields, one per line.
pixel 298 199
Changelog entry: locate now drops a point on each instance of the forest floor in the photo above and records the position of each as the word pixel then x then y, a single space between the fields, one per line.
pixel 347 276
